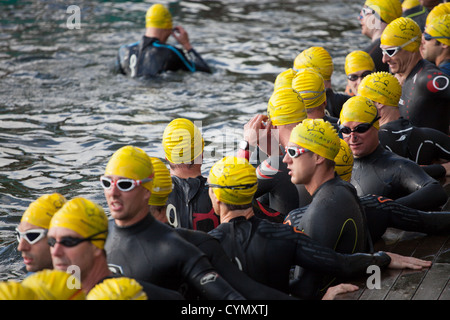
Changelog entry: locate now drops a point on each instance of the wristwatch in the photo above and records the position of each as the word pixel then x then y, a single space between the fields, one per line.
pixel 244 145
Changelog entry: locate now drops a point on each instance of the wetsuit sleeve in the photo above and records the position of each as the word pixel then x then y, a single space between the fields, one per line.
pixel 209 284
pixel 312 256
pixel 435 171
pixel 429 145
pixel 200 64
pixel 423 192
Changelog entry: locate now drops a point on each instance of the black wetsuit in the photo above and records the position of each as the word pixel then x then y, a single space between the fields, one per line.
pixel 418 14
pixel 422 145
pixel 248 287
pixel 374 50
pixel 266 251
pixel 336 220
pixel 334 103
pixel 382 213
pixel 273 179
pixel 153 252
pixel 387 174
pixel 189 205
pixel 425 99
pixel 149 57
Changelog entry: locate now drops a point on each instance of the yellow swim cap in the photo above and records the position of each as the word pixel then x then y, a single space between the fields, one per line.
pixel 41 211
pixel 182 141
pixel 316 58
pixel 309 83
pixel 318 136
pixel 286 106
pixel 162 183
pixel 84 217
pixel 117 289
pixel 440 27
pixel 359 109
pixel 358 61
pixel 158 16
pixel 54 285
pixel 381 87
pixel 284 79
pixel 13 290
pixel 439 10
pixel 387 10
pixel 238 175
pixel 344 161
pixel 132 163
pixel 401 31
pixel 408 4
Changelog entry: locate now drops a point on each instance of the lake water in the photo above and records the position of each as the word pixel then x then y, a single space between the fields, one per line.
pixel 63 112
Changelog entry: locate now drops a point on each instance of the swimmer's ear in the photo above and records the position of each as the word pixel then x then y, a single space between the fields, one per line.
pixel 318 159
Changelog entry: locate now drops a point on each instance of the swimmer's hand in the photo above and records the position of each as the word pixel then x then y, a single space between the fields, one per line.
pixel 182 37
pixel 403 262
pixel 332 292
pixel 258 132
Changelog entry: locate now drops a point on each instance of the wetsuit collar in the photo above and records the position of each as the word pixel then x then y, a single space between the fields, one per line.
pixel 190 186
pixel 331 181
pixel 374 155
pixel 148 41
pixel 417 68
pixel 237 219
pixel 137 227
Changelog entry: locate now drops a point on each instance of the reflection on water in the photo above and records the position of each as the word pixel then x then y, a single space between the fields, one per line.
pixel 63 112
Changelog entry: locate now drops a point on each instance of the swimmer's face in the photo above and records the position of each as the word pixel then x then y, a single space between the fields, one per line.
pixel 361 144
pixel 355 78
pixel 81 255
pixel 35 256
pixel 369 22
pixel 301 168
pixel 430 49
pixel 398 63
pixel 127 207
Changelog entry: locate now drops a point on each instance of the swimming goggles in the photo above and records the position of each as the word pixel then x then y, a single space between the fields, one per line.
pixel 235 187
pixel 428 37
pixel 122 184
pixel 366 11
pixel 393 51
pixel 32 236
pixel 354 77
pixel 70 242
pixel 361 128
pixel 295 152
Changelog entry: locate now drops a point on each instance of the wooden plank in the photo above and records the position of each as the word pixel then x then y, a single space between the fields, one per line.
pixel 446 292
pixel 406 285
pixel 427 284
pixel 434 282
pixel 388 278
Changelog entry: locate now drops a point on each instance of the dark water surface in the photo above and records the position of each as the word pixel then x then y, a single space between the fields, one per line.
pixel 63 112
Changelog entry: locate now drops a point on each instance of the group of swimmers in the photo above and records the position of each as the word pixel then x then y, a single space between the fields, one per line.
pixel 330 178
